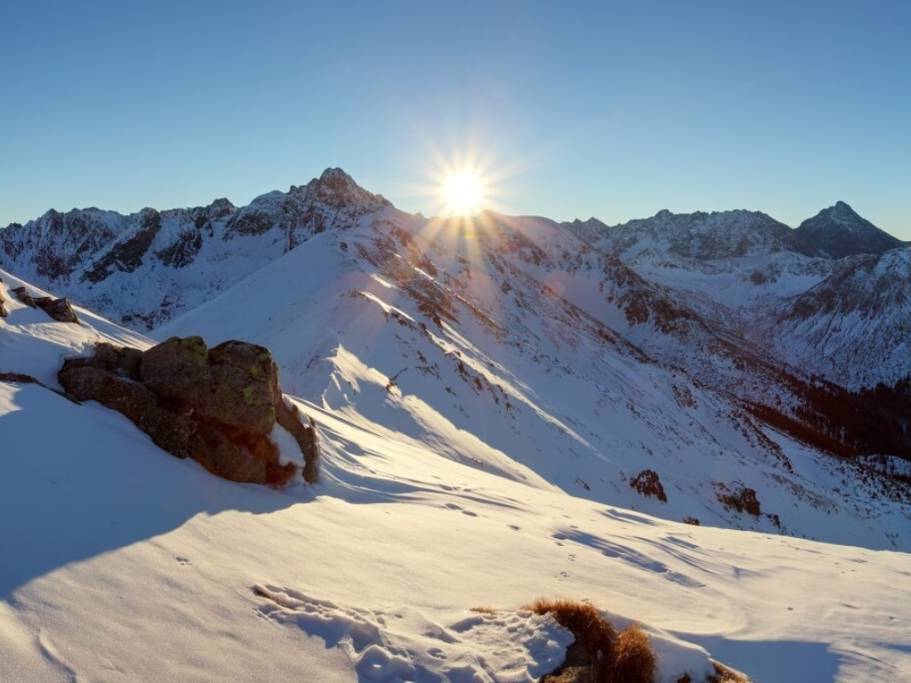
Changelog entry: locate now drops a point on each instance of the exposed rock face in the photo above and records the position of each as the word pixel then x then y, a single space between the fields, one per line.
pixel 216 406
pixel 23 296
pixel 838 231
pixel 3 311
pixel 235 383
pixel 58 309
pixel 740 498
pixel 647 483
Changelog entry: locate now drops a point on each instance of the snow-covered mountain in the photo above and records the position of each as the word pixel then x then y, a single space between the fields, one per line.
pixel 839 231
pixel 144 268
pixel 374 572
pixel 706 368
pixel 497 315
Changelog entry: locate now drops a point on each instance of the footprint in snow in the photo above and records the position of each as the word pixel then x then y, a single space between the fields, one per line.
pixel 502 646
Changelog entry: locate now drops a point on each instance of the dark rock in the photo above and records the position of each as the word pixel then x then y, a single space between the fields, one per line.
pixel 738 497
pixel 234 455
pixel 838 231
pixel 170 430
pixel 235 383
pixel 647 483
pixel 58 309
pixel 120 361
pixel 24 297
pixel 18 378
pixel 216 406
pixel 128 254
pixel 691 520
pixel 182 251
pixel 3 311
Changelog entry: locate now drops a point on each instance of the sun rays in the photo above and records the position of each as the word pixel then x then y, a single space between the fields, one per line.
pixel 463 193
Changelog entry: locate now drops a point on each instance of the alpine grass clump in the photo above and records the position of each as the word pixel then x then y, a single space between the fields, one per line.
pixel 599 654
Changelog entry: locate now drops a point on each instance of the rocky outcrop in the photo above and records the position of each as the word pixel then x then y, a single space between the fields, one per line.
pixel 59 309
pixel 838 231
pixel 3 311
pixel 738 497
pixel 217 406
pixel 647 483
pixel 24 297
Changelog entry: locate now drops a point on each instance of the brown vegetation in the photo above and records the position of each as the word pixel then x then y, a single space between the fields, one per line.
pixel 647 483
pixel 599 654
pixel 740 498
pixel 725 675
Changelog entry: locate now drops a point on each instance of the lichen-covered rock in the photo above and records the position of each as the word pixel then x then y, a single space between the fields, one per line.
pixel 235 383
pixel 216 406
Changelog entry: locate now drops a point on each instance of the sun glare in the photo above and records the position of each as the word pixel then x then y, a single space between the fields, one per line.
pixel 463 193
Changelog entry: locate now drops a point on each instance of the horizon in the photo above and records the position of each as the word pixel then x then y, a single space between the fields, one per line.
pixel 438 215
pixel 613 112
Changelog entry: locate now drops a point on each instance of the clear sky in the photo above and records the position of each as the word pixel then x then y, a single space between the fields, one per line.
pixel 614 110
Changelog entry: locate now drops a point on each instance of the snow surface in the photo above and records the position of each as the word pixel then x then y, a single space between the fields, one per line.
pixel 536 397
pixel 371 574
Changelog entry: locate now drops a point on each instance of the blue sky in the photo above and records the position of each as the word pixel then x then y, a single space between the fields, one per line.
pixel 608 109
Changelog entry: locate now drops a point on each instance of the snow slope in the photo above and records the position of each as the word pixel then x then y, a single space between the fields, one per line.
pixel 530 379
pixel 370 575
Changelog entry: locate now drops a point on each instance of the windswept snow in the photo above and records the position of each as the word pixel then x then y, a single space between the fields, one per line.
pixel 372 574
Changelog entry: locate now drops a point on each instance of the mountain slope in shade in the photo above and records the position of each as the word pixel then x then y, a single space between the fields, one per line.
pixel 839 231
pixel 699 235
pixel 242 582
pixel 854 326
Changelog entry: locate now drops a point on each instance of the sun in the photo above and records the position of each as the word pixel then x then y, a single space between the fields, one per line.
pixel 463 193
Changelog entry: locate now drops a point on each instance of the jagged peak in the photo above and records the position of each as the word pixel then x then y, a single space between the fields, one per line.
pixel 335 174
pixel 336 188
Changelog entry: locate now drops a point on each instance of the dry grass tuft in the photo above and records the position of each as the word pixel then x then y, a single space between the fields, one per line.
pixel 725 675
pixel 483 609
pixel 591 630
pixel 633 660
pixel 599 654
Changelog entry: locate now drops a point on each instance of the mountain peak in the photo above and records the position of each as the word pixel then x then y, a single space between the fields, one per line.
pixel 335 174
pixel 335 187
pixel 838 231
